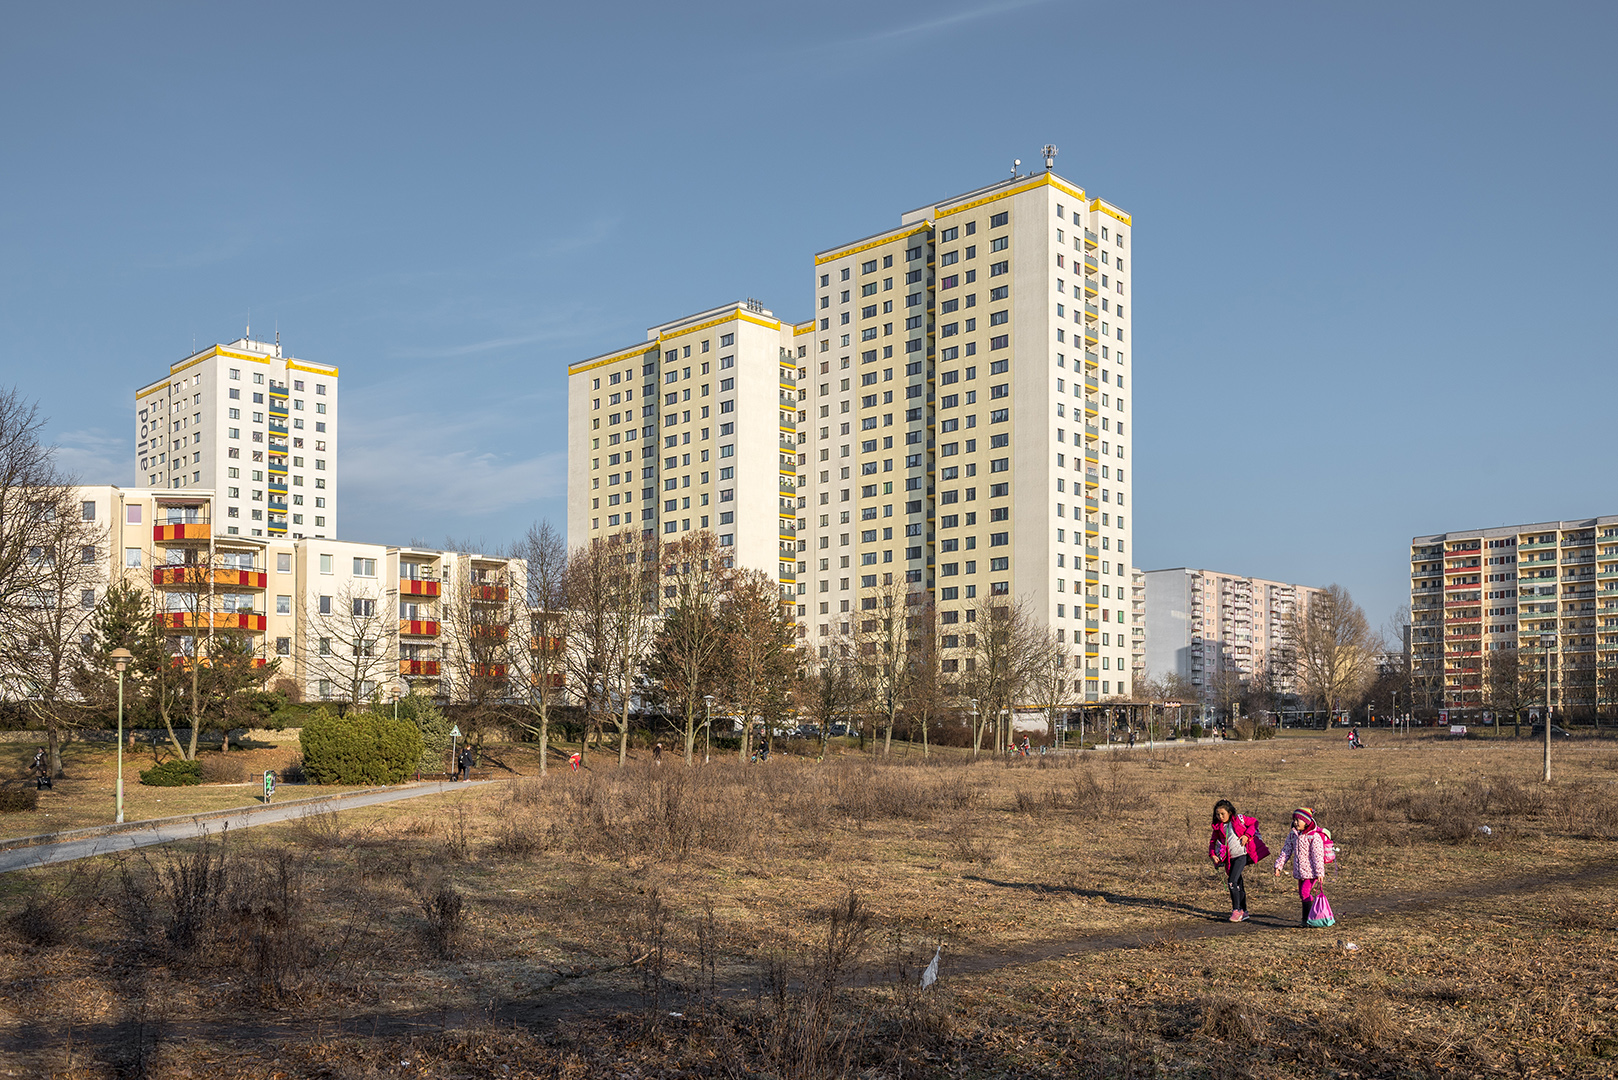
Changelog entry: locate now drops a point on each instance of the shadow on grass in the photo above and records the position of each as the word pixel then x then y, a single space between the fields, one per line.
pixel 1113 898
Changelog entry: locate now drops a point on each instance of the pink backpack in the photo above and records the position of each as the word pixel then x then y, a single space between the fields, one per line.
pixel 1327 842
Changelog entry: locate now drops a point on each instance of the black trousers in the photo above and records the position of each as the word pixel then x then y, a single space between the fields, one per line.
pixel 1233 878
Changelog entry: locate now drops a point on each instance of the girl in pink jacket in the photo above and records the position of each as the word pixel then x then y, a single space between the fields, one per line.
pixel 1306 847
pixel 1235 845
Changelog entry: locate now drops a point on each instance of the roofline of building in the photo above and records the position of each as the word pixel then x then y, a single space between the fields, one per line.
pixel 1503 530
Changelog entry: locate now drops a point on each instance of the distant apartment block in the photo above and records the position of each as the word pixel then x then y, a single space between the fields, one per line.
pixel 256 428
pixel 1200 623
pixel 1546 592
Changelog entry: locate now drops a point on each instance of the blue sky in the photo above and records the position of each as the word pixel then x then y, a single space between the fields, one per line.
pixel 1373 240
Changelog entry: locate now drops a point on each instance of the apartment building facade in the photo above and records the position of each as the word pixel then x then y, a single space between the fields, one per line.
pixel 694 429
pixel 346 620
pixel 1201 624
pixel 254 427
pixel 965 410
pixel 1541 598
pixel 953 418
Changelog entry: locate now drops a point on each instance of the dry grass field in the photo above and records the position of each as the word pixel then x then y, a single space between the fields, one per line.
pixel 773 921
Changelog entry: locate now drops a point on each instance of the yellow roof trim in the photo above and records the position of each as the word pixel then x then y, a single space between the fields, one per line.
pixel 885 238
pixel 324 369
pixel 590 365
pixel 736 316
pixel 804 328
pixel 1097 204
pixel 1044 179
pixel 220 351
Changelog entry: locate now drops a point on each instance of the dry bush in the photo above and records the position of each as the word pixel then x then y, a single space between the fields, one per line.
pixel 1370 1022
pixel 968 844
pixel 222 768
pixel 319 828
pixel 265 924
pixel 38 922
pixel 181 896
pixel 1235 1019
pixel 666 813
pixel 798 1030
pixel 443 914
pixel 1111 793
pixel 1515 800
pixel 519 835
pixel 526 791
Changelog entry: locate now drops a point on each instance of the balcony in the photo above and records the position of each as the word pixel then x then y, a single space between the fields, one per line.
pixel 1094 266
pixel 1092 625
pixel 1092 384
pixel 1092 478
pixel 418 587
pixel 488 671
pixel 1091 311
pixel 1092 552
pixel 197 575
pixel 278 427
pixel 1089 238
pixel 1091 505
pixel 1091 431
pixel 170 534
pixel 428 668
pixel 490 594
pixel 418 627
pixel 218 620
pixel 1090 335
pixel 1090 286
pixel 490 630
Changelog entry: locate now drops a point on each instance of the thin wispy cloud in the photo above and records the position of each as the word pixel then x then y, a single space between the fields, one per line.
pixel 932 26
pixel 94 456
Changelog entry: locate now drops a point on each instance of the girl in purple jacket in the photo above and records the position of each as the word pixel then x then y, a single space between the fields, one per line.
pixel 1235 845
pixel 1306 847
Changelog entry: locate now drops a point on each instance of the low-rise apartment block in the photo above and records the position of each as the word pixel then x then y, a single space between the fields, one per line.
pixel 345 620
pixel 1545 595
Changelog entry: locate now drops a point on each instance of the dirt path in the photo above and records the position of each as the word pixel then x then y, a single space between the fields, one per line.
pixel 167 830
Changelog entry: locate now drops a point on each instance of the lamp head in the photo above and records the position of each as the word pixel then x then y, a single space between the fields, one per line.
pixel 121 659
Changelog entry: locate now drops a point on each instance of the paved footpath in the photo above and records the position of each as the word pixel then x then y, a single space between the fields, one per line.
pixel 32 851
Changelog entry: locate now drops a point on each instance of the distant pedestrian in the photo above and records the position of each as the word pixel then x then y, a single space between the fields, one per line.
pixel 1306 848
pixel 466 763
pixel 574 760
pixel 1234 846
pixel 1131 738
pixel 657 754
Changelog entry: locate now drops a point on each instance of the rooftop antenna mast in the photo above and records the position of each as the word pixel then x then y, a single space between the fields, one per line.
pixel 1050 156
pixel 1016 163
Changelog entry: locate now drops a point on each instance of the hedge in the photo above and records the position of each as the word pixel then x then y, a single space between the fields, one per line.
pixel 176 773
pixel 360 748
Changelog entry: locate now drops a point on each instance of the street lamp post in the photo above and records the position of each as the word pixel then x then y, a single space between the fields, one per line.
pixel 707 727
pixel 974 724
pixel 1549 643
pixel 120 660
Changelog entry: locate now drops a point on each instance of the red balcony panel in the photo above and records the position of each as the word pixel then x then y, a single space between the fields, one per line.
pixel 414 587
pixel 419 667
pixel 419 627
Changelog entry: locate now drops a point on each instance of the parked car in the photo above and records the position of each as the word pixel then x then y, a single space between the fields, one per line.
pixel 1538 732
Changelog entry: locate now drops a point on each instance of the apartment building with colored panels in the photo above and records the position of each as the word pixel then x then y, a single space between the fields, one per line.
pixel 256 428
pixel 344 619
pixel 1546 594
pixel 694 429
pixel 1201 624
pixel 965 409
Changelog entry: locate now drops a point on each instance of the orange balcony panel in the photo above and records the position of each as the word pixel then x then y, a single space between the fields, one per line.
pixel 485 630
pixel 185 662
pixel 489 671
pixel 490 593
pixel 162 534
pixel 414 587
pixel 219 620
pixel 419 627
pixel 545 644
pixel 557 682
pixel 194 575
pixel 419 667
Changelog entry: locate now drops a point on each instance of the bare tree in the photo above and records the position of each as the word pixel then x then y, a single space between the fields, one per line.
pixel 760 649
pixel 1513 684
pixel 928 697
pixel 590 631
pixel 348 641
pixel 481 603
pixel 1336 652
pixel 1229 688
pixel 689 654
pixel 1048 678
pixel 632 620
pixel 540 662
pixel 46 627
pixel 825 685
pixel 884 661
pixel 1004 646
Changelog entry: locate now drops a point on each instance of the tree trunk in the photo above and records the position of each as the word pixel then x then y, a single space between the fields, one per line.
pixel 53 741
pixel 924 734
pixel 690 733
pixel 544 734
pixel 623 728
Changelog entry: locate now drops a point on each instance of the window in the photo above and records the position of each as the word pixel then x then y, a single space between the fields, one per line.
pixel 132 557
pixel 364 607
pixel 325 564
pixel 1000 465
pixel 996 269
pixel 325 605
pixel 999 243
pixel 365 568
pixel 727 340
